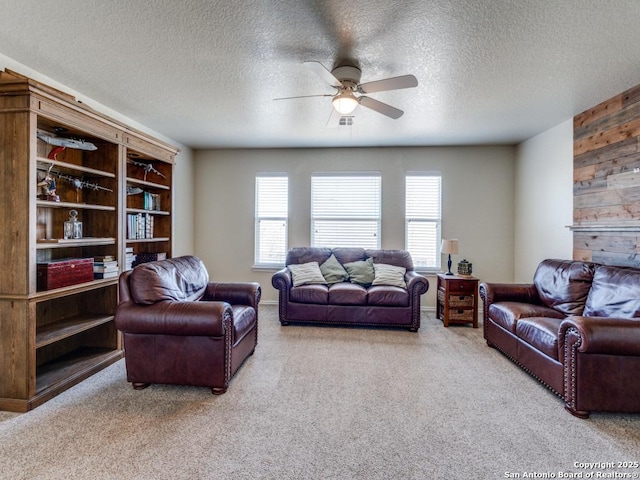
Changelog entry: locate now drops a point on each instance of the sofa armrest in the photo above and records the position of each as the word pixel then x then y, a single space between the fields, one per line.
pixel 509 292
pixel 235 293
pixel 416 282
pixel 281 280
pixel 174 318
pixel 600 335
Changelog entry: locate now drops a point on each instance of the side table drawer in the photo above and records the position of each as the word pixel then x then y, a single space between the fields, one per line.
pixel 460 315
pixel 461 286
pixel 461 301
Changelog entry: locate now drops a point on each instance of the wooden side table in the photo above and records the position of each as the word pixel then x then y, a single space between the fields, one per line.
pixel 457 300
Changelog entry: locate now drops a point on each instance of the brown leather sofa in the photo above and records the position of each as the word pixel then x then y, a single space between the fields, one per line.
pixel 179 328
pixel 346 302
pixel 576 328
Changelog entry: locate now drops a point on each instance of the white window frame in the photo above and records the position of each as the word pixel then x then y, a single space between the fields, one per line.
pixel 276 211
pixel 333 194
pixel 423 218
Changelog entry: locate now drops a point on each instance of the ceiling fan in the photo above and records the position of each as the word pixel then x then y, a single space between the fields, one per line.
pixel 349 91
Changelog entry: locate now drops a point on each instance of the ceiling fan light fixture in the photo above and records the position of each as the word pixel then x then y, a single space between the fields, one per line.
pixel 345 102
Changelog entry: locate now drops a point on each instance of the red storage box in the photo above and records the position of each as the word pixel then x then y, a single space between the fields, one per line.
pixel 64 272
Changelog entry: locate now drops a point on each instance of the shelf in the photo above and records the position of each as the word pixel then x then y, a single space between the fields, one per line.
pixel 147 240
pixel 69 242
pixel 146 183
pixel 152 212
pixel 86 206
pixel 73 367
pixel 74 168
pixel 605 228
pixel 72 289
pixel 68 327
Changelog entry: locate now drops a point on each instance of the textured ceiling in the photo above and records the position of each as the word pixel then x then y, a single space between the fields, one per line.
pixel 205 73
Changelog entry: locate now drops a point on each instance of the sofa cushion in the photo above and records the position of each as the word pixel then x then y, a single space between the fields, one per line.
pixel 307 254
pixel 400 258
pixel 306 274
pixel 564 284
pixel 178 279
pixel 507 314
pixel 333 271
pixel 541 333
pixel 347 294
pixel 244 319
pixel 349 254
pixel 385 274
pixel 615 292
pixel 388 296
pixel 318 294
pixel 360 272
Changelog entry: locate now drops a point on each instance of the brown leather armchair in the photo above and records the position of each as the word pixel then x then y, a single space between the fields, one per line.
pixel 179 328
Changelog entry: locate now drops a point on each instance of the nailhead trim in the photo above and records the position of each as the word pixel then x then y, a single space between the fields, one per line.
pixel 570 362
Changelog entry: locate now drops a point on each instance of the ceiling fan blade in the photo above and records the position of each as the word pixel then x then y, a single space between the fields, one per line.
pixel 380 107
pixel 395 83
pixel 304 96
pixel 324 74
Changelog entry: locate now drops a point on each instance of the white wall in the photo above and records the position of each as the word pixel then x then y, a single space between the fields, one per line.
pixel 544 199
pixel 478 205
pixel 183 204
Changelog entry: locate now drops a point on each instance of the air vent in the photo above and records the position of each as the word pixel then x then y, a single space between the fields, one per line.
pixel 346 120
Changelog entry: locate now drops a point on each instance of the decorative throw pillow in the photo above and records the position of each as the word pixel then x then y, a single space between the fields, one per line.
pixel 333 271
pixel 389 275
pixel 306 274
pixel 361 272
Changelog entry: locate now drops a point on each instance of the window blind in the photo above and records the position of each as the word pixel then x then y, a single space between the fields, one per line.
pixel 423 218
pixel 345 210
pixel 271 217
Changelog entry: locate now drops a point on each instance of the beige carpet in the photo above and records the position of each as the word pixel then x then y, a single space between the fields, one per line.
pixel 321 403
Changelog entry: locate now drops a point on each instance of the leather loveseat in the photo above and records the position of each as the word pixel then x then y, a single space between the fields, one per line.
pixel 350 286
pixel 576 328
pixel 180 328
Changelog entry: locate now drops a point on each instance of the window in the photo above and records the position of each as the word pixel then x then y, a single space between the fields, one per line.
pixel 345 210
pixel 423 218
pixel 272 211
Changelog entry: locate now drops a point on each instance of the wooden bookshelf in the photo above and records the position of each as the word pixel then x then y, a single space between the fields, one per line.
pixel 52 339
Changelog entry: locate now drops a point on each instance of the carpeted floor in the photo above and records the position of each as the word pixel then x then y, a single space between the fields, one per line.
pixel 322 403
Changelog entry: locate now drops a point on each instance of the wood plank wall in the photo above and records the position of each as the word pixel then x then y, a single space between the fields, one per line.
pixel 606 181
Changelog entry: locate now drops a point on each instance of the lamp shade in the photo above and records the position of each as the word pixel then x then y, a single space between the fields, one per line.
pixel 449 246
pixel 345 102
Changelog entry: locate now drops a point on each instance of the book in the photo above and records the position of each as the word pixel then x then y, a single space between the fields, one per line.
pixel 108 263
pixel 130 258
pixel 113 268
pixel 103 258
pixel 151 201
pixel 97 275
pixel 149 257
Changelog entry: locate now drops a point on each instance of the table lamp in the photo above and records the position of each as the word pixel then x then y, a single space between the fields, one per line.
pixel 449 247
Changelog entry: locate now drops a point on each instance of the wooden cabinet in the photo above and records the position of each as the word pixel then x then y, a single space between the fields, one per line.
pixel 457 300
pixel 52 339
